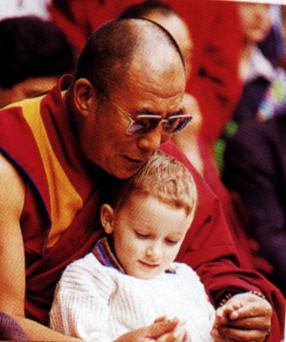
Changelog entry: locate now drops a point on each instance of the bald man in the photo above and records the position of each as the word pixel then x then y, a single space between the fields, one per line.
pixel 59 153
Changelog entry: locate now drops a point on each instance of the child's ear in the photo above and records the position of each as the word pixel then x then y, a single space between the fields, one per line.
pixel 107 218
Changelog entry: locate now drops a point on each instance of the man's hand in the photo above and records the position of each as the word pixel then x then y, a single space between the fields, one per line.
pixel 244 317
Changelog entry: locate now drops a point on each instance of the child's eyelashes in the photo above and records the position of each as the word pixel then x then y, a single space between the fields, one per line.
pixel 171 242
pixel 146 236
pixel 142 236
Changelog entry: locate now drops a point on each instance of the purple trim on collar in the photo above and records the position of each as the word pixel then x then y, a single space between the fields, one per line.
pixel 104 254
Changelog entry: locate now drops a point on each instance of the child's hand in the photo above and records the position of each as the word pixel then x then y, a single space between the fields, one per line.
pixel 161 327
pixel 178 334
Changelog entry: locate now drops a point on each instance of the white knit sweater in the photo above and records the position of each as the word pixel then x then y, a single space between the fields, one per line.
pixel 99 303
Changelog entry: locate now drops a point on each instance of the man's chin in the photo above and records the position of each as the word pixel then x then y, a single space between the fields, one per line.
pixel 125 169
pixel 126 173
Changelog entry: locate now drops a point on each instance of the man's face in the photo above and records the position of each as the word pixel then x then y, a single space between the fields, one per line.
pixel 104 137
pixel 147 235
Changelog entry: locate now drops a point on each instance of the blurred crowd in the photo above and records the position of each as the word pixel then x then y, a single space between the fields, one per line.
pixel 236 91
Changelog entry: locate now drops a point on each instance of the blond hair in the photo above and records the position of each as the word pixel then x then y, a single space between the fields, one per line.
pixel 164 178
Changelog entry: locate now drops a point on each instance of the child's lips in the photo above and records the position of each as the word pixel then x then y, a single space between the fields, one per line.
pixel 149 265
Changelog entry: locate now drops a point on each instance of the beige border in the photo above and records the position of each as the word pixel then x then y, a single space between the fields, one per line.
pixel 272 2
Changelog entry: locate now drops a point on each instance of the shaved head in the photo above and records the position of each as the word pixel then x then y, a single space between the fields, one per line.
pixel 128 67
pixel 167 17
pixel 111 50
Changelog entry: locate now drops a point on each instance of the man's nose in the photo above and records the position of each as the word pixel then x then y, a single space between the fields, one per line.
pixel 152 141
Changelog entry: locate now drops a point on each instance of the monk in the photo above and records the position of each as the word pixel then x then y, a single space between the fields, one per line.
pixel 60 151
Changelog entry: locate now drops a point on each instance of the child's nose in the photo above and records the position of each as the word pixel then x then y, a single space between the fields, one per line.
pixel 154 251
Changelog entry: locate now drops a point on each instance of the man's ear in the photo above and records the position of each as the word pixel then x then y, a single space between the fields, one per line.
pixel 107 218
pixel 85 100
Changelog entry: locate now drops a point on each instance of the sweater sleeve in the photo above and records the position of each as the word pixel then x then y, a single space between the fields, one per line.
pixel 205 310
pixel 80 306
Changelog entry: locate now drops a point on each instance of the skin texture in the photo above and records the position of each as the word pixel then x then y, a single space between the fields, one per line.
pixel 179 30
pixel 162 330
pixel 147 248
pixel 255 21
pixel 255 24
pixel 243 310
pixel 28 88
pixel 103 129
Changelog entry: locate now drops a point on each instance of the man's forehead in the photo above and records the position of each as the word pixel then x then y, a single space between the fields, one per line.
pixel 142 99
pixel 167 76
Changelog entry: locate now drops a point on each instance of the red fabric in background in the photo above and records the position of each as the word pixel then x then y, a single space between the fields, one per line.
pixel 217 43
pixel 217 40
pixel 78 19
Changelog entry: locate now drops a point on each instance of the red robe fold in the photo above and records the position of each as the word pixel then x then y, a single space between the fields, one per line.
pixel 63 195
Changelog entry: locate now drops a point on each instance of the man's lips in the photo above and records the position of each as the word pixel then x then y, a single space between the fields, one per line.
pixel 138 162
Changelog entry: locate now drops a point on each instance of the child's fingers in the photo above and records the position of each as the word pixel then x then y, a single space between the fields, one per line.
pixel 161 319
pixel 178 334
pixel 160 328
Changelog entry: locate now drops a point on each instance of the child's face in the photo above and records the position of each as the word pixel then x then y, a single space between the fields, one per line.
pixel 147 235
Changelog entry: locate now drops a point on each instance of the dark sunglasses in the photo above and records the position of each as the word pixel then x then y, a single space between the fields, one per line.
pixel 145 123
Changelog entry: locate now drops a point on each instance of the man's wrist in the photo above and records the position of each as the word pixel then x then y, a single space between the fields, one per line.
pixel 227 294
pixel 234 292
pixel 258 294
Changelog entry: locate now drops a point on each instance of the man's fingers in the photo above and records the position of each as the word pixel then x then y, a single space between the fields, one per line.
pixel 239 310
pixel 245 317
pixel 243 335
pixel 253 323
pixel 250 310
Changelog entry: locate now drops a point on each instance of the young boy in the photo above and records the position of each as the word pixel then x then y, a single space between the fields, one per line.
pixel 130 279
